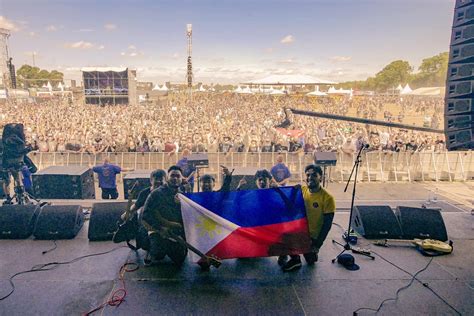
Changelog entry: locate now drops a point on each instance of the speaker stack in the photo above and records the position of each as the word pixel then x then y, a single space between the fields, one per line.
pixel 459 110
pixel 380 222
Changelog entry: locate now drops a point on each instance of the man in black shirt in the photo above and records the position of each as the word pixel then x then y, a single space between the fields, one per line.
pixel 162 218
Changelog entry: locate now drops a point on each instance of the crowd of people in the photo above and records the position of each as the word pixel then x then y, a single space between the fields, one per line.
pixel 227 122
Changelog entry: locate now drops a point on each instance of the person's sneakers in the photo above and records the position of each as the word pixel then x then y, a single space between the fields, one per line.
pixel 282 260
pixel 293 264
pixel 311 258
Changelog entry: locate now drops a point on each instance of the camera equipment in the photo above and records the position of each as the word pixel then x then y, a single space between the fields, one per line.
pixel 14 159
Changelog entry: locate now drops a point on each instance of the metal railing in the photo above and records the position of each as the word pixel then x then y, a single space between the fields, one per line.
pixel 375 166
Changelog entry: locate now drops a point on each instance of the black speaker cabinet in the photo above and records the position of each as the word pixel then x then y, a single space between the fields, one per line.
pixel 243 172
pixel 143 178
pixel 64 182
pixel 422 223
pixel 376 222
pixel 59 222
pixel 325 158
pixel 104 219
pixel 459 113
pixel 17 221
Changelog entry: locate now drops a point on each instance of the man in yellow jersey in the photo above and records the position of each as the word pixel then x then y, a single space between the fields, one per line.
pixel 320 208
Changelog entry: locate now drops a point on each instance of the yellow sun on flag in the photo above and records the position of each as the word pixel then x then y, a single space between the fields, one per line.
pixel 209 227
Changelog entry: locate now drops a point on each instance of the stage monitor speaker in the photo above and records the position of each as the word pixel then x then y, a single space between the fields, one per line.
pixel 143 178
pixel 244 172
pixel 459 113
pixel 104 219
pixel 59 222
pixel 64 182
pixel 421 223
pixel 17 221
pixel 376 222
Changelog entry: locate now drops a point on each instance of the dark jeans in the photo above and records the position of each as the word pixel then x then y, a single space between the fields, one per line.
pixel 108 194
pixel 160 247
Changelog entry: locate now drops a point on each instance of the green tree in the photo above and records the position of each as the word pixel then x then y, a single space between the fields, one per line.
pixel 392 75
pixel 29 76
pixel 432 71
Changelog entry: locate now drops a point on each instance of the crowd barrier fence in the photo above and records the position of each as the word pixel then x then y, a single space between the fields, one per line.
pixel 375 166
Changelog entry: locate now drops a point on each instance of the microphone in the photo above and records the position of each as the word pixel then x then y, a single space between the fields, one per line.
pixel 366 146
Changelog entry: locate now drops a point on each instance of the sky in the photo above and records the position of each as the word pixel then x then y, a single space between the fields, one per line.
pixel 233 41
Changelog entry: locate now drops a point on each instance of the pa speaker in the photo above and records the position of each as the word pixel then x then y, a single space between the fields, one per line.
pixel 421 223
pixel 459 113
pixel 59 222
pixel 64 182
pixel 140 176
pixel 376 222
pixel 17 221
pixel 244 172
pixel 103 220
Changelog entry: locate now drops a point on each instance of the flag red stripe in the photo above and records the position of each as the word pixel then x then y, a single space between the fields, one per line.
pixel 264 241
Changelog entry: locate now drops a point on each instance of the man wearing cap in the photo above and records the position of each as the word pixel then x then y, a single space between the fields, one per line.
pixel 320 207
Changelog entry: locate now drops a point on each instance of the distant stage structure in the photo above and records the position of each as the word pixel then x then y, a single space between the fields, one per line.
pixel 110 85
pixel 4 71
pixel 189 71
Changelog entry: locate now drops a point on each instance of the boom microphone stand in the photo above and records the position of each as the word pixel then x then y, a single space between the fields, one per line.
pixel 346 237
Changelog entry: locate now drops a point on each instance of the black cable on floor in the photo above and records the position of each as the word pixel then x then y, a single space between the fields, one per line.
pixel 49 250
pixel 52 265
pixel 406 286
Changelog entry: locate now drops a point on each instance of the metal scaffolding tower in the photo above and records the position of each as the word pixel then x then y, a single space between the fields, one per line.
pixel 189 73
pixel 4 71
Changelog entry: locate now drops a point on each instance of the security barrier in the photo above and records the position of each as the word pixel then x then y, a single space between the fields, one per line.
pixel 375 167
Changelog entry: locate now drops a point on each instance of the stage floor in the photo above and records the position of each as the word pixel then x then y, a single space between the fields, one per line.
pixel 255 286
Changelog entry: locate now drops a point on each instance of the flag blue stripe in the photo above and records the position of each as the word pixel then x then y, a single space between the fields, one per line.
pixel 253 207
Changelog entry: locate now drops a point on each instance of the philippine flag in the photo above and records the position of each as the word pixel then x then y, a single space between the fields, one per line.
pixel 242 224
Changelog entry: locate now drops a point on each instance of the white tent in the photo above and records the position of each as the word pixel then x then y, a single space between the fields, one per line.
pixel 277 92
pixel 164 88
pixel 429 91
pixel 280 80
pixel 201 89
pixel 245 91
pixel 60 86
pixel 317 93
pixel 238 90
pixel 156 87
pixel 399 88
pixel 406 90
pixel 49 86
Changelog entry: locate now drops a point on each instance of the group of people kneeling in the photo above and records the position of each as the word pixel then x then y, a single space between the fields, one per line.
pixel 156 214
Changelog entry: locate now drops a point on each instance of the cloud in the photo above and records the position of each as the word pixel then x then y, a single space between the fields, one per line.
pixel 7 24
pixel 80 45
pixel 338 59
pixel 86 30
pixel 269 50
pixel 51 28
pixel 286 61
pixel 101 47
pixel 131 54
pixel 132 47
pixel 110 27
pixel 287 39
pixel 32 34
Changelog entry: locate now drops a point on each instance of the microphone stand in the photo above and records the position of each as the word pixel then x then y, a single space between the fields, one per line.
pixel 347 246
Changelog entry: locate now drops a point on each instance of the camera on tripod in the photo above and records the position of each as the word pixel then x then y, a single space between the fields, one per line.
pixel 13 152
